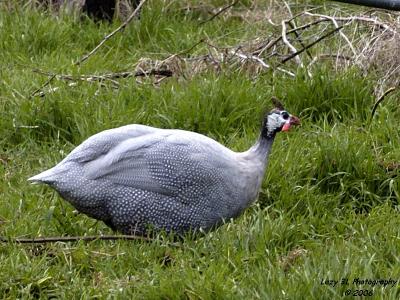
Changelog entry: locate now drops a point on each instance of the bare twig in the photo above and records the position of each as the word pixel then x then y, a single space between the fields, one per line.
pixel 184 51
pixel 337 56
pixel 268 46
pixel 292 24
pixel 360 19
pixel 15 125
pixel 263 53
pixel 290 46
pixel 110 35
pixel 333 20
pixel 310 45
pixel 381 98
pixel 99 78
pixel 294 17
pixel 251 57
pixel 39 90
pixel 43 92
pixel 329 56
pixel 108 76
pixel 85 57
pixel 261 62
pixel 305 26
pixel 219 12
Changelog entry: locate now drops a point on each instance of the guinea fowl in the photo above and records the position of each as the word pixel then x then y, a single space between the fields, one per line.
pixel 135 178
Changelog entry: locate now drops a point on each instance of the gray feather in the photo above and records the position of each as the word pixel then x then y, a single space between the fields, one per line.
pixel 135 176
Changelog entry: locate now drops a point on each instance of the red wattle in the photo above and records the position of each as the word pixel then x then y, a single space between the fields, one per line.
pixel 286 127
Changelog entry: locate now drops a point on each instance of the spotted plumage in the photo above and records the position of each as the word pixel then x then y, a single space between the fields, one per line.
pixel 138 177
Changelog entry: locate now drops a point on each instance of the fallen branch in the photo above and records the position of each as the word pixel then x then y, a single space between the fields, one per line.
pixel 44 240
pixel 381 98
pixel 110 35
pixel 108 76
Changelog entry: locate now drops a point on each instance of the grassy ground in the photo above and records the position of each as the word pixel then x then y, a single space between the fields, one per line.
pixel 328 208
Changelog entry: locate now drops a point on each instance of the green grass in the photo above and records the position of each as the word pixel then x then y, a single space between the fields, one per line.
pixel 328 189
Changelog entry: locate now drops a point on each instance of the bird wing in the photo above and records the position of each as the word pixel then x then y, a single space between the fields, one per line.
pixel 174 163
pixel 94 149
pixel 102 143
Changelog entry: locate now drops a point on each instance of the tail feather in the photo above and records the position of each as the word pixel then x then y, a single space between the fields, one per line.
pixel 47 177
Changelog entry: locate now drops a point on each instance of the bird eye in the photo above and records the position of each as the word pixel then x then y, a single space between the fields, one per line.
pixel 285 115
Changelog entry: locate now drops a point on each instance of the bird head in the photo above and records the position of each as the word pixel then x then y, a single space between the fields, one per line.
pixel 278 119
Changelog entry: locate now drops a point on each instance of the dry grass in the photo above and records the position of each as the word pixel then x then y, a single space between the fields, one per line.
pixel 292 257
pixel 370 41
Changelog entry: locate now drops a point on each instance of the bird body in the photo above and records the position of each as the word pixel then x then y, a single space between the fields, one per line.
pixel 138 177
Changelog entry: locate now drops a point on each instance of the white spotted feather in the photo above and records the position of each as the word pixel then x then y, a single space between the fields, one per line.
pixel 135 177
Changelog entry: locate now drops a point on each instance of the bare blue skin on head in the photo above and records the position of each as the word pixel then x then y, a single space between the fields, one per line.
pixel 135 177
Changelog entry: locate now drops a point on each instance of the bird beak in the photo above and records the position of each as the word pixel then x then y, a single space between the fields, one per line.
pixel 293 120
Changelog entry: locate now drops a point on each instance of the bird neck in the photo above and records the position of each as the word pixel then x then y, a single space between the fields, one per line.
pixel 252 166
pixel 261 149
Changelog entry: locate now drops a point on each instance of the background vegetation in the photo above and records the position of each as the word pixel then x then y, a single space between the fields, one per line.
pixel 328 208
